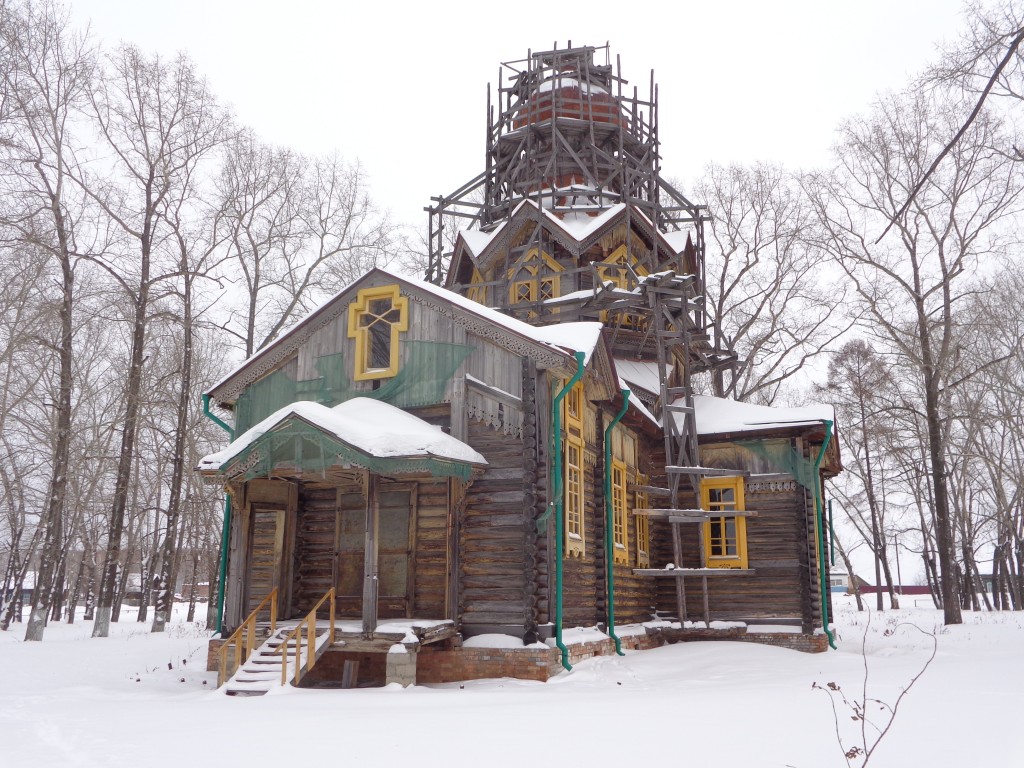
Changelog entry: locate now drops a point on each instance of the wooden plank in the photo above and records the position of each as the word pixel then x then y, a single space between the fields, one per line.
pixel 370 555
pixel 678 573
pixel 706 471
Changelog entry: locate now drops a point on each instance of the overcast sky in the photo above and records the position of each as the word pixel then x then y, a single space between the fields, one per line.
pixel 402 86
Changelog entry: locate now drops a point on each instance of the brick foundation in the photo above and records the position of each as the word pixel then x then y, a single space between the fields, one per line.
pixel 440 664
pixel 793 641
pixel 211 654
pixel 455 664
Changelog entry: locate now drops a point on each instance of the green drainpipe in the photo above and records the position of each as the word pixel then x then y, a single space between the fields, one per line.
pixel 609 522
pixel 820 524
pixel 831 536
pixel 226 529
pixel 557 500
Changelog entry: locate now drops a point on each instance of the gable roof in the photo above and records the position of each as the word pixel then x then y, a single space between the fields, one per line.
pixel 574 230
pixel 557 342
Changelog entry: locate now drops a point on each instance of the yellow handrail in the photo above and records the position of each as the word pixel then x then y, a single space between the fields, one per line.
pixel 309 624
pixel 243 640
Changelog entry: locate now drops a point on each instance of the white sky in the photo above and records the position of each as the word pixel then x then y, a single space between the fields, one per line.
pixel 402 86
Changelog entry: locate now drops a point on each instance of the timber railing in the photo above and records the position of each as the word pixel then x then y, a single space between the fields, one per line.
pixel 243 640
pixel 306 629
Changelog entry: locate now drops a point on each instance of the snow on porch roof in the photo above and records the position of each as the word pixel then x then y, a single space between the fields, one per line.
pixel 374 428
pixel 716 415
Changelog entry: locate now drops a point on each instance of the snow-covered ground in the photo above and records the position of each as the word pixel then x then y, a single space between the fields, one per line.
pixel 136 699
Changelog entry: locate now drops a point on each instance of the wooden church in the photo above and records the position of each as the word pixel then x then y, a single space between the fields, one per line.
pixel 449 478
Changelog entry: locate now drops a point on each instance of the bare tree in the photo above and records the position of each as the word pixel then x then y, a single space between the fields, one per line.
pixel 47 73
pixel 858 382
pixel 765 280
pixel 296 231
pixel 156 118
pixel 912 284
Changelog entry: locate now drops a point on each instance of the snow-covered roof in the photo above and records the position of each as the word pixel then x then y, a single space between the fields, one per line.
pixel 677 239
pixel 642 373
pixel 566 338
pixel 717 415
pixel 373 427
pixel 576 226
pixel 569 337
pixel 637 403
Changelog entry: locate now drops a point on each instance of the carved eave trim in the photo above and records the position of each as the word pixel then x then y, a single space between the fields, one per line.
pixel 546 356
pixel 275 355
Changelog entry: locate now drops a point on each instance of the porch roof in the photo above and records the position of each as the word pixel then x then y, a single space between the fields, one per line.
pixel 361 431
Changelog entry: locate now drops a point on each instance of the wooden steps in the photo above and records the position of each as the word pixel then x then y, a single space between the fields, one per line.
pixel 262 671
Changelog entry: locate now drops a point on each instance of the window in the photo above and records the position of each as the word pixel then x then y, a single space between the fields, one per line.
pixel 375 319
pixel 643 527
pixel 614 269
pixel 620 549
pixel 535 279
pixel 573 422
pixel 725 537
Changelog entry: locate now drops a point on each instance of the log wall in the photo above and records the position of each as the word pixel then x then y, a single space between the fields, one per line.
pixel 492 542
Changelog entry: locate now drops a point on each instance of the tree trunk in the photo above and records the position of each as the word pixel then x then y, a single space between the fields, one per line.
pixel 165 587
pixel 129 433
pixel 53 516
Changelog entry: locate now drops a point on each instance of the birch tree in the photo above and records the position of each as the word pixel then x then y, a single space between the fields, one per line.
pixel 156 118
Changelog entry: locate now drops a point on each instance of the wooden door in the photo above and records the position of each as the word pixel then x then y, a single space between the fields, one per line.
pixel 351 535
pixel 395 555
pixel 266 545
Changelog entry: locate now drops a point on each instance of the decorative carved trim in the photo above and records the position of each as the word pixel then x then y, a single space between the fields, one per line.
pixel 509 422
pixel 277 353
pixel 520 346
pixel 241 467
pixel 771 486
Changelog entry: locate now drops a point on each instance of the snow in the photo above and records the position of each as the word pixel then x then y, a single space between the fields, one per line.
pixel 716 415
pixel 137 698
pixel 493 640
pixel 578 226
pixel 371 426
pixel 642 373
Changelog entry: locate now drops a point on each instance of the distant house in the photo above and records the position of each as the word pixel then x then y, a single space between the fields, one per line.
pixel 838 581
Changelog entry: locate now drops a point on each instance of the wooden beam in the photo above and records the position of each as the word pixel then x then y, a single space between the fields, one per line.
pixel 679 573
pixel 707 471
pixel 371 540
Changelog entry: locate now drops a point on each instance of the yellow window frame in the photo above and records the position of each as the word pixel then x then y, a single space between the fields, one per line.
pixel 612 269
pixel 575 524
pixel 725 537
pixel 477 290
pixel 361 308
pixel 643 526
pixel 620 535
pixel 536 286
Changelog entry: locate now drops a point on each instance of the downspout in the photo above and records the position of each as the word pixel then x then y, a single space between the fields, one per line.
pixel 226 528
pixel 820 527
pixel 609 523
pixel 557 502
pixel 831 536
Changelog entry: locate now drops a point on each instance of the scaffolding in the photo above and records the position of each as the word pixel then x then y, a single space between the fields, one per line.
pixel 569 135
pixel 568 140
